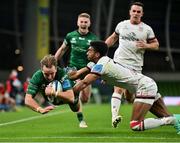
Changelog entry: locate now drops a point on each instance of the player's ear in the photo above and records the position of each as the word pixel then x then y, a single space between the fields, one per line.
pixel 142 14
pixel 97 54
pixel 89 24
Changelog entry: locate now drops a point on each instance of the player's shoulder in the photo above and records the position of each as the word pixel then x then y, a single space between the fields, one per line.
pixel 91 33
pixel 93 36
pixel 124 22
pixel 100 65
pixel 73 33
pixel 60 73
pixel 146 25
pixel 90 65
pixel 103 60
pixel 37 76
pixel 38 73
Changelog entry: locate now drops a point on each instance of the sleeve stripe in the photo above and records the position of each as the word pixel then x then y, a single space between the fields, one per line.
pixel 96 73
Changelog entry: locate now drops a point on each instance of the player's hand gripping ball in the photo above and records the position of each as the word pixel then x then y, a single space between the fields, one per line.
pixel 56 87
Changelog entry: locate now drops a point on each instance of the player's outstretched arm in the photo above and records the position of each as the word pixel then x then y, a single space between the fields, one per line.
pixel 60 52
pixel 91 77
pixel 31 103
pixel 77 74
pixel 112 39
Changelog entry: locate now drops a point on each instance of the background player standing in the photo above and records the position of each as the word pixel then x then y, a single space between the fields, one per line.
pixel 134 38
pixel 78 42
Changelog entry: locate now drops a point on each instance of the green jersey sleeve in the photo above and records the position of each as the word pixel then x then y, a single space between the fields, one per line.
pixel 36 82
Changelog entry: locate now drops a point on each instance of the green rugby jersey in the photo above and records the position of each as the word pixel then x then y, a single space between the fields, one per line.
pixel 38 83
pixel 78 45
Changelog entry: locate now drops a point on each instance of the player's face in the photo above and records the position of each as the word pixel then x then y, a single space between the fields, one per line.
pixel 136 12
pixel 91 54
pixel 49 73
pixel 83 24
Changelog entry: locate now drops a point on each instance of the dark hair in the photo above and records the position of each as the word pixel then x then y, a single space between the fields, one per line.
pixel 100 46
pixel 137 3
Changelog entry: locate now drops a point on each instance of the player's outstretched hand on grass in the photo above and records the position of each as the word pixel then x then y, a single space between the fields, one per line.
pixel 45 110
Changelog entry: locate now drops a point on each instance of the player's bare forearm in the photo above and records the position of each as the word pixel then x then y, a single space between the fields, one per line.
pixel 85 82
pixel 111 40
pixel 80 86
pixel 77 74
pixel 150 45
pixel 60 52
pixel 31 103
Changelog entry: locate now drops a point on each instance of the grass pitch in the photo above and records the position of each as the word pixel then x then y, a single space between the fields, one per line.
pixel 61 125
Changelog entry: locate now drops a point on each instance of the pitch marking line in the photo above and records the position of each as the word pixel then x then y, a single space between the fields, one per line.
pixel 80 137
pixel 33 118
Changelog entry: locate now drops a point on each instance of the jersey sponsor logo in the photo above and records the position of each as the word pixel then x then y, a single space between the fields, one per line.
pixel 73 40
pixel 97 68
pixel 130 37
pixel 89 41
pixel 81 38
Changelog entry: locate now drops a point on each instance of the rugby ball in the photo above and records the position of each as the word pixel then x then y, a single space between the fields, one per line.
pixel 57 86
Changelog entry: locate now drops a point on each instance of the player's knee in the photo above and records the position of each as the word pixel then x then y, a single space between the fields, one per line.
pixel 137 125
pixel 129 96
pixel 118 90
pixel 74 107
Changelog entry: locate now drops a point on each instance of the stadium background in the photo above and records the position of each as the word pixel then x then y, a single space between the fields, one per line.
pixel 20 34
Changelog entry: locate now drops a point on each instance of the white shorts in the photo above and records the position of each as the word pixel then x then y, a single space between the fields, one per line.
pixel 147 91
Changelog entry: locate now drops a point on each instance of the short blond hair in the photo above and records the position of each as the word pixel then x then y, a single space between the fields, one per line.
pixel 49 61
pixel 84 15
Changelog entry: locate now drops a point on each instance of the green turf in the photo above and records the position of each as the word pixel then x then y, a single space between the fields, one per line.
pixel 61 125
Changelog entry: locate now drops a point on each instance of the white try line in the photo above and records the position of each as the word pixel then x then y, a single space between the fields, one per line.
pixel 33 118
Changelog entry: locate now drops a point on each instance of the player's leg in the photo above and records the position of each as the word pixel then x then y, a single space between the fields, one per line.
pixel 84 98
pixel 160 110
pixel 76 105
pixel 115 105
pixel 145 98
pixel 142 104
pixel 138 123
pixel 129 96
pixel 85 94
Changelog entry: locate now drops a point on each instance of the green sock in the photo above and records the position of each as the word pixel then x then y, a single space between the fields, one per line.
pixel 80 116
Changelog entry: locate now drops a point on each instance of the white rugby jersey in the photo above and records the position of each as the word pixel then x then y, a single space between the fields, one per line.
pixel 128 53
pixel 115 74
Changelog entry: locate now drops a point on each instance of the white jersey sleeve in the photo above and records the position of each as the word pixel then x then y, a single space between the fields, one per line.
pixel 99 67
pixel 90 65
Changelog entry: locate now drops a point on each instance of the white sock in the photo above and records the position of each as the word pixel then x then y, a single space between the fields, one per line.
pixel 115 104
pixel 150 123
